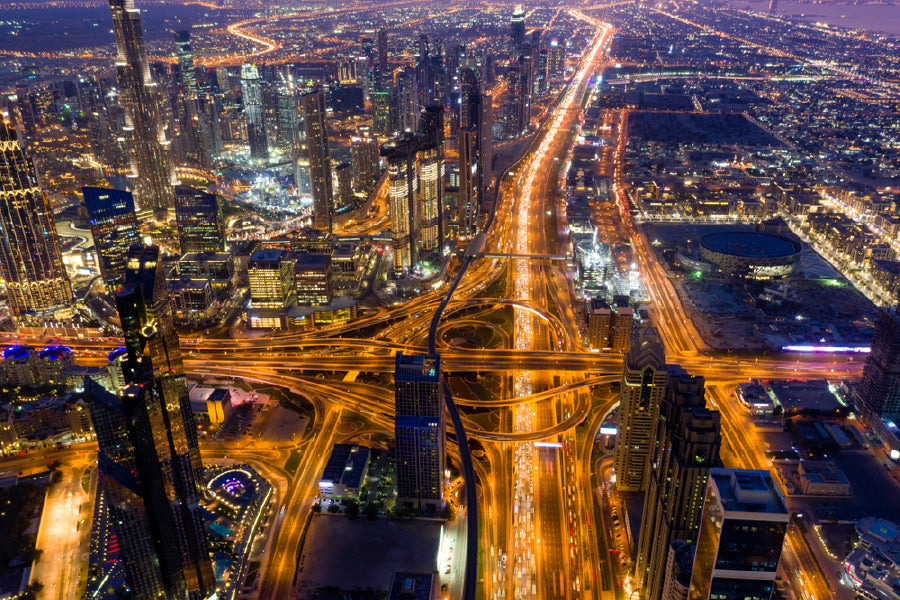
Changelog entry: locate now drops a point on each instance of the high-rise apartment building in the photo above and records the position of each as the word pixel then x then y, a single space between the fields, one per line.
pixel 288 120
pixel 149 146
pixel 381 113
pixel 114 228
pixel 149 458
pixel 344 199
pixel 254 113
pixel 319 159
pixel 742 531
pixel 200 222
pixel 686 447
pixel 643 387
pixel 419 430
pixel 516 30
pixel 30 257
pixel 878 394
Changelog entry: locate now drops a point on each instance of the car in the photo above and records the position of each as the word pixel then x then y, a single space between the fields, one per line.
pixel 447 570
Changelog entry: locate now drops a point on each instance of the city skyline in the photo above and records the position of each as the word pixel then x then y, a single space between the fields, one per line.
pixel 412 300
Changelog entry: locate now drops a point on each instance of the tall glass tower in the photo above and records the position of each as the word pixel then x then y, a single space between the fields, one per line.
pixel 30 257
pixel 149 146
pixel 198 216
pixel 319 159
pixel 155 374
pixel 254 115
pixel 114 229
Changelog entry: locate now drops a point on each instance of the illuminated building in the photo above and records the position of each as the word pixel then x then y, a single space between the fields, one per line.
pixel 741 536
pixel 254 115
pixel 382 74
pixel 878 393
pixel 403 189
pixel 517 30
pixel 148 458
pixel 381 113
pixel 271 278
pixel 319 159
pixel 430 160
pixel 609 328
pixel 345 199
pixel 419 431
pixel 30 258
pixel 469 203
pixel 114 229
pixel 643 387
pixel 200 222
pixel 313 279
pixel 364 159
pixel 149 146
pixel 288 120
pixel 556 59
pixel 185 56
pixel 688 438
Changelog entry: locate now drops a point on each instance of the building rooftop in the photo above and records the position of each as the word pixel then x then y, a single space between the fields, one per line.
pixel 748 491
pixel 346 465
pixel 750 244
pixel 308 261
pixel 267 255
pixel 411 586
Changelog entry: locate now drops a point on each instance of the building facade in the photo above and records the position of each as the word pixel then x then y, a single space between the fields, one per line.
pixel 114 228
pixel 419 430
pixel 30 257
pixel 319 159
pixel 200 222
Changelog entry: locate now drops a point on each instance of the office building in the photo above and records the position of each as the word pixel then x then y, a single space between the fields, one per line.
pixel 742 531
pixel 403 190
pixel 271 274
pixel 200 222
pixel 609 327
pixel 878 393
pixel 419 431
pixel 313 279
pixel 254 115
pixel 148 141
pixel 288 121
pixel 382 72
pixel 643 387
pixel 319 159
pixel 30 258
pixel 148 459
pixel 345 472
pixel 195 132
pixel 687 441
pixel 114 228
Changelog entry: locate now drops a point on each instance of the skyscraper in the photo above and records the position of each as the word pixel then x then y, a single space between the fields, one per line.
pixel 198 216
pixel 382 75
pixel 879 390
pixel 469 204
pixel 556 60
pixel 364 159
pixel 114 229
pixel 149 460
pixel 254 115
pixel 419 431
pixel 741 536
pixel 643 387
pixel 687 441
pixel 517 30
pixel 403 189
pixel 319 159
pixel 149 145
pixel 185 55
pixel 381 113
pixel 430 152
pixel 30 257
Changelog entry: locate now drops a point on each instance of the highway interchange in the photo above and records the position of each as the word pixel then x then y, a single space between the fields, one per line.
pixel 539 536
